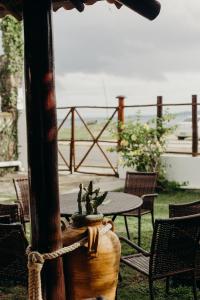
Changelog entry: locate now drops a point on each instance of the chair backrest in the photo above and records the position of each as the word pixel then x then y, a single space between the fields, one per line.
pixel 185 209
pixel 22 191
pixel 174 245
pixel 140 183
pixel 11 211
pixel 13 258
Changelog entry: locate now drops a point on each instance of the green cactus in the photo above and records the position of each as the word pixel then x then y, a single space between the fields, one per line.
pixel 98 201
pixel 91 198
pixel 88 205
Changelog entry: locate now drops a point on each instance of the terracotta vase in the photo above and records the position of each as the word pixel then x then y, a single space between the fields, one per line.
pixel 91 270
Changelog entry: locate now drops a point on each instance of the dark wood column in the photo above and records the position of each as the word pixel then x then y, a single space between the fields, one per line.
pixel 42 141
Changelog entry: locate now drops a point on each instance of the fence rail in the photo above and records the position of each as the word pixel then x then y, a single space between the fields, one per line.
pixel 74 113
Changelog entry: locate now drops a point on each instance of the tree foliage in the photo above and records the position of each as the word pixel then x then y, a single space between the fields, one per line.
pixel 11 70
pixel 11 62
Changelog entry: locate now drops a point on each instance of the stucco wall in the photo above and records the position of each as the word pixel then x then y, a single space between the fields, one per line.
pixel 183 168
pixel 180 168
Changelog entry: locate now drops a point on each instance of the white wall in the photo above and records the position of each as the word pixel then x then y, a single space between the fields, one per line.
pixel 180 168
pixel 183 168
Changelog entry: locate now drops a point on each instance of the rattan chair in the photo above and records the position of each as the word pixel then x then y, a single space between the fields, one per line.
pixel 22 192
pixel 186 209
pixel 9 213
pixel 173 251
pixel 13 258
pixel 141 184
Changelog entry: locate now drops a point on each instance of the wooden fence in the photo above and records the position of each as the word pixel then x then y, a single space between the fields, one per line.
pixel 119 112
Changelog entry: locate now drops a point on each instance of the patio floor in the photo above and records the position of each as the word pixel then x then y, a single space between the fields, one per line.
pixel 67 183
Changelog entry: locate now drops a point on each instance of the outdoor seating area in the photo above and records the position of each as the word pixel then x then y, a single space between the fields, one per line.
pixel 174 249
pixel 140 238
pixel 143 185
pixel 170 248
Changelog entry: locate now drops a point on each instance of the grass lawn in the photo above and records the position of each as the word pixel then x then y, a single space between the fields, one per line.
pixel 81 133
pixel 133 285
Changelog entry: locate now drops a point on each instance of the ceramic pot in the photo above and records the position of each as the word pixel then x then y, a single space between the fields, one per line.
pixel 91 270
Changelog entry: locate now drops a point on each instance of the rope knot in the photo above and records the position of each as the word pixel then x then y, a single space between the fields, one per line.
pixel 35 257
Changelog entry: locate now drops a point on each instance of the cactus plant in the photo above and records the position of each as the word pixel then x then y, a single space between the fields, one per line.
pixel 91 199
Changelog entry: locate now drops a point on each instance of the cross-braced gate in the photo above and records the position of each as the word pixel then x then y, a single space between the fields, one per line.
pixel 73 164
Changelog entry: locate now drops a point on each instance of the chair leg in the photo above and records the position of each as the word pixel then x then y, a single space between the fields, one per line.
pixel 24 226
pixel 152 218
pixel 167 285
pixel 151 289
pixel 126 224
pixel 194 285
pixel 114 217
pixel 139 230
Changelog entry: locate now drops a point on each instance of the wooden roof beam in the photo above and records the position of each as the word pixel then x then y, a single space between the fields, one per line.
pixel 147 8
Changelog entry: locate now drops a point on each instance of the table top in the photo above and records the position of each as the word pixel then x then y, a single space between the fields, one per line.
pixel 115 203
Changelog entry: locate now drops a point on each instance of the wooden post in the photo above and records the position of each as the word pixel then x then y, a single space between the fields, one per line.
pixel 72 143
pixel 194 126
pixel 42 142
pixel 121 100
pixel 159 114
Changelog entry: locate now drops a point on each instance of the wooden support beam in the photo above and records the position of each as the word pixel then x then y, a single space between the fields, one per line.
pixel 42 142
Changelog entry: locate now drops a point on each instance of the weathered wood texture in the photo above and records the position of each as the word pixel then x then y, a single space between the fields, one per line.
pixel 42 141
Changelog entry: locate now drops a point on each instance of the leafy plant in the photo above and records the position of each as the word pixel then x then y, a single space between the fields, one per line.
pixel 11 62
pixel 11 70
pixel 142 144
pixel 168 186
pixel 91 198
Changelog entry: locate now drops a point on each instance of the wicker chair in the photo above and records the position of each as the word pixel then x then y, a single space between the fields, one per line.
pixel 141 184
pixel 22 192
pixel 173 251
pixel 9 213
pixel 186 209
pixel 13 259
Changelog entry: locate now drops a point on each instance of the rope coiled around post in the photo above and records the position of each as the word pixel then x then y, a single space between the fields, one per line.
pixel 36 261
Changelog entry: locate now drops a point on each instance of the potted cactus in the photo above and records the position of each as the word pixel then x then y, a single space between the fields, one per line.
pixel 92 270
pixel 89 198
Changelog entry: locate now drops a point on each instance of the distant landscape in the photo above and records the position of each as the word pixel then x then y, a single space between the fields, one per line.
pixel 96 123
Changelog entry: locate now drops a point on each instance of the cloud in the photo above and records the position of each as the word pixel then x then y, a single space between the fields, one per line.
pixel 121 43
pixel 101 89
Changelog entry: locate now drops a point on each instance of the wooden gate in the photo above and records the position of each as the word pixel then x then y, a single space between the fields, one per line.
pixel 74 116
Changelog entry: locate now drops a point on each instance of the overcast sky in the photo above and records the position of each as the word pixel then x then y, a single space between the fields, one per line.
pixel 104 52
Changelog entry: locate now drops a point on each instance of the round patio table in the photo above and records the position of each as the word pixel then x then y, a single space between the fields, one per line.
pixel 115 203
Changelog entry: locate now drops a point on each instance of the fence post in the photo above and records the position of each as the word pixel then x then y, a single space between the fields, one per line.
pixel 194 126
pixel 121 100
pixel 72 142
pixel 159 114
